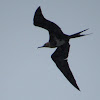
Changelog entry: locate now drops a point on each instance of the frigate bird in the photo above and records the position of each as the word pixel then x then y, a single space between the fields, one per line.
pixel 60 40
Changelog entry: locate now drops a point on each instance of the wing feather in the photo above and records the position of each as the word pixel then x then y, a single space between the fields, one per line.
pixel 59 57
pixel 40 21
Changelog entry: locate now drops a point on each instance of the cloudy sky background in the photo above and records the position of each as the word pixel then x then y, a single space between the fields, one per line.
pixel 28 73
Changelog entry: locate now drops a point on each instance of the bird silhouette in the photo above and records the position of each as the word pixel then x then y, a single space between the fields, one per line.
pixel 60 40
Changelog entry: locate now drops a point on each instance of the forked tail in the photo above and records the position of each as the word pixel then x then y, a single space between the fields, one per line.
pixel 79 34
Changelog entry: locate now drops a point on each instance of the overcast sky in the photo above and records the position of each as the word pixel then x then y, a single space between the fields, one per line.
pixel 28 73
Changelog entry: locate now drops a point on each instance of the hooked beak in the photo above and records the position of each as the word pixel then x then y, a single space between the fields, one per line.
pixel 41 47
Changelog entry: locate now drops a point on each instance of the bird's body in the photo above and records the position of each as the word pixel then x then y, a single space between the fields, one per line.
pixel 60 40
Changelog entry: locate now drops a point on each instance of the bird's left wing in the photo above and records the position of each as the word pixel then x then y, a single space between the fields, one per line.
pixel 59 57
pixel 40 21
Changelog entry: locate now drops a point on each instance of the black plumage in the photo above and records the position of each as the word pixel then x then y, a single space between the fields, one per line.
pixel 61 41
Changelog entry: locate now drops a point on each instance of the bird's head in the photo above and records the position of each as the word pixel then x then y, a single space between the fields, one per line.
pixel 45 45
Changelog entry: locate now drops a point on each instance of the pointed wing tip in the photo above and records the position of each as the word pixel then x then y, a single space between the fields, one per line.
pixel 39 8
pixel 78 88
pixel 37 14
pixel 75 85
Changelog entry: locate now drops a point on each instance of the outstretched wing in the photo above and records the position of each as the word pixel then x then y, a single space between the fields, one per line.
pixel 59 57
pixel 40 21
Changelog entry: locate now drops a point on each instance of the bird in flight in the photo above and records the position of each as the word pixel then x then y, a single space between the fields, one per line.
pixel 60 40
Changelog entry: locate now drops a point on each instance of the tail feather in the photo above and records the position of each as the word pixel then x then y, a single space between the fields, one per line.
pixel 79 34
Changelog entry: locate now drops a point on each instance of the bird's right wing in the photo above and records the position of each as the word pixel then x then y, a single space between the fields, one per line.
pixel 40 21
pixel 59 57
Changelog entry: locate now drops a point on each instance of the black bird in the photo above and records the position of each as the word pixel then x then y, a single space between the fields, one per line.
pixel 61 41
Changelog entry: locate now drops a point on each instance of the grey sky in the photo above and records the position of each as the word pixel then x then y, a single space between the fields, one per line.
pixel 28 73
